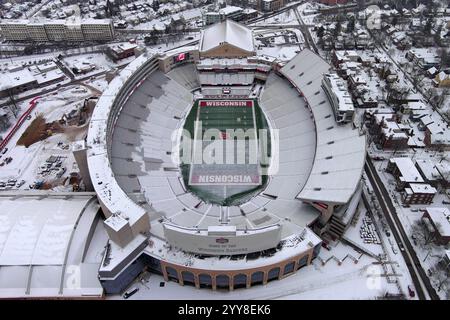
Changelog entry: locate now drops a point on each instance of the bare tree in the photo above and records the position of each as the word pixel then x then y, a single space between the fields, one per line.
pixel 421 233
pixel 445 57
pixel 13 106
pixel 440 275
pixel 437 97
pixel 416 77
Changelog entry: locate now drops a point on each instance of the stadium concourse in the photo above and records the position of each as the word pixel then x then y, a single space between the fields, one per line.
pixel 153 216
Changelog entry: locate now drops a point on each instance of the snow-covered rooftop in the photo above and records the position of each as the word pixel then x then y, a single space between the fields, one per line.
pixel 420 188
pixel 229 32
pixel 340 91
pixel 408 172
pixel 428 169
pixel 41 235
pixel 16 79
pixel 441 219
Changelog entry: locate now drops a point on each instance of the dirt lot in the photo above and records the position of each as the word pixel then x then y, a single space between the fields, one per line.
pixel 38 130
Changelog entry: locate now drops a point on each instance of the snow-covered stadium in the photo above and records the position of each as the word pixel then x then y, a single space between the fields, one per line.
pixel 158 219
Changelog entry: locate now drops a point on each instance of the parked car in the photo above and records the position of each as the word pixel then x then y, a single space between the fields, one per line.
pixel 20 183
pixel 130 292
pixel 411 292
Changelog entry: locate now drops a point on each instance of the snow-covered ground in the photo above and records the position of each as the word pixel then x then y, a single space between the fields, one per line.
pixel 286 17
pixel 26 161
pixel 428 255
pixel 191 15
pixel 99 60
pixel 283 53
pixel 281 45
pixel 359 276
pixel 363 280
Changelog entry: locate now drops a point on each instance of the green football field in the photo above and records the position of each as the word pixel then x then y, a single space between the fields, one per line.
pixel 235 173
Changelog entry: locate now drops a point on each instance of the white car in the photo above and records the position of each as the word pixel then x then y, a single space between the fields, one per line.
pixel 20 183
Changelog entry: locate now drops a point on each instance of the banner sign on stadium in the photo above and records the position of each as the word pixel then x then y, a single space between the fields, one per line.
pixel 222 240
pixel 224 179
pixel 226 103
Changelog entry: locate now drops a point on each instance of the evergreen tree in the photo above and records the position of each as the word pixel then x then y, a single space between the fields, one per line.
pixel 428 26
pixel 351 25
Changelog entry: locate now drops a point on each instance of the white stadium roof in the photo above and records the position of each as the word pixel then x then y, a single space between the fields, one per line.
pixel 43 240
pixel 229 32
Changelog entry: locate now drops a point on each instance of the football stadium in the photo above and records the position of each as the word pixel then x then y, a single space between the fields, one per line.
pixel 219 168
pixel 234 170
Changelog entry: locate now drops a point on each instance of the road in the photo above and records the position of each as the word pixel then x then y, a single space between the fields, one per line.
pixel 421 281
pixel 45 91
pixel 273 14
pixel 304 28
pixel 64 69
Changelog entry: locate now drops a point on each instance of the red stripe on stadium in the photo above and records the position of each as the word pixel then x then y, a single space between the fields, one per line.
pixel 322 205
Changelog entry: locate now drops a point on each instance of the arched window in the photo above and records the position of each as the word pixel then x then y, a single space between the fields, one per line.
pixel 289 267
pixel 302 262
pixel 205 281
pixel 274 274
pixel 172 274
pixel 240 281
pixel 223 281
pixel 188 278
pixel 257 278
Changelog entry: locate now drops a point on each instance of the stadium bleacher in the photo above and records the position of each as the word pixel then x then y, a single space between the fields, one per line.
pixel 287 113
pixel 141 142
pixel 186 75
pixel 241 78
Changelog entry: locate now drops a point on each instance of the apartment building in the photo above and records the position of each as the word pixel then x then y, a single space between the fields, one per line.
pixel 57 30
pixel 95 29
pixel 272 5
pixel 229 12
pixel 340 99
